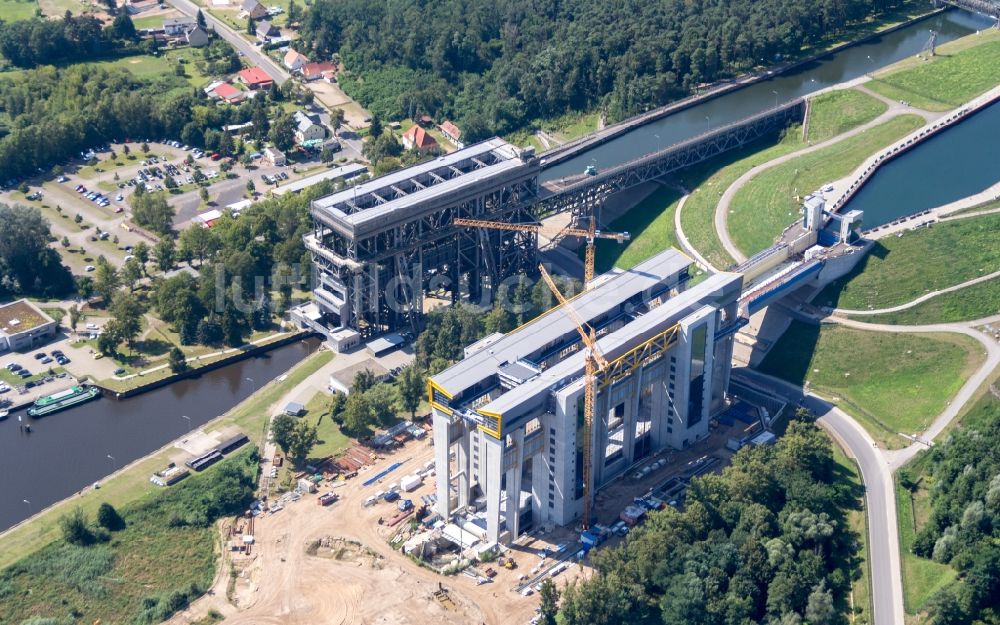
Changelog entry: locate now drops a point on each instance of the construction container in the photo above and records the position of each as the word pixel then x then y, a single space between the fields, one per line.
pixel 631 515
pixel 411 482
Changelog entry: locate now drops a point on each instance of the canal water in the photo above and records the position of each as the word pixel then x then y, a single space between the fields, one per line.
pixel 69 450
pixel 836 68
pixel 958 162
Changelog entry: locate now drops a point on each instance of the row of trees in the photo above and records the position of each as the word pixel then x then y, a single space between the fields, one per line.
pixel 964 526
pixel 448 330
pixel 38 41
pixel 499 65
pixel 765 542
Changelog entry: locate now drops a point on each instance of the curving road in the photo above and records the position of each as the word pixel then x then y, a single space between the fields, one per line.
pixel 682 238
pixel 923 298
pixel 880 499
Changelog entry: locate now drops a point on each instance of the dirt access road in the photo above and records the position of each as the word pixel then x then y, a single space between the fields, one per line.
pixel 362 580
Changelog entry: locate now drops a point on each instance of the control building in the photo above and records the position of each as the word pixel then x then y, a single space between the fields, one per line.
pixel 378 246
pixel 507 418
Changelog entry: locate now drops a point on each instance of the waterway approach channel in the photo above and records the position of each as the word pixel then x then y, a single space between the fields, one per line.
pixel 69 450
pixel 830 70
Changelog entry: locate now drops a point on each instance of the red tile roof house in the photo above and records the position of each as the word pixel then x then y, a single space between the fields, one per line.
pixel 312 71
pixel 255 78
pixel 229 93
pixel 416 138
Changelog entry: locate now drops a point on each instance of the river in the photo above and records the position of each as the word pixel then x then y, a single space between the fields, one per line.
pixel 69 450
pixel 836 68
pixel 951 165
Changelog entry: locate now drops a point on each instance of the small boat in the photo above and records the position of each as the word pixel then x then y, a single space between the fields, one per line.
pixel 4 413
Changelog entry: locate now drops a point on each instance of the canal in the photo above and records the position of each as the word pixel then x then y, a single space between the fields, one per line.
pixel 69 450
pixel 954 164
pixel 836 68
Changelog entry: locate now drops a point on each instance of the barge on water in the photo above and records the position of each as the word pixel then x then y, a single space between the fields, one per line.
pixel 63 399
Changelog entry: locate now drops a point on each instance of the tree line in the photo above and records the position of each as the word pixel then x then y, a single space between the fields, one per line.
pixel 38 41
pixel 51 114
pixel 28 266
pixel 963 531
pixel 496 66
pixel 767 541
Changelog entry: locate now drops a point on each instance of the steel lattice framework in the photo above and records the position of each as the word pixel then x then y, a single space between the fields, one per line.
pixel 579 193
pixel 984 7
pixel 378 252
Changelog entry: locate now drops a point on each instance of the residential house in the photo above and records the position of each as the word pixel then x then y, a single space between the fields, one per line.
pixel 275 157
pixel 255 78
pixel 229 93
pixel 313 71
pixel 416 138
pixel 178 26
pixel 295 60
pixel 308 128
pixel 266 30
pixel 254 9
pixel 197 37
pixel 453 133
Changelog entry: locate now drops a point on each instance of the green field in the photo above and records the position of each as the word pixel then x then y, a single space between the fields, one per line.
pixel 708 180
pixel 164 557
pixel 651 225
pixel 133 484
pixel 949 79
pixel 894 382
pixel 900 269
pixel 838 111
pixel 974 302
pixel 148 66
pixel 769 202
pixel 14 10
pixel 858 521
pixel 331 440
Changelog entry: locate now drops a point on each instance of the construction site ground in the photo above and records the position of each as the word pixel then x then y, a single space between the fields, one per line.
pixel 334 565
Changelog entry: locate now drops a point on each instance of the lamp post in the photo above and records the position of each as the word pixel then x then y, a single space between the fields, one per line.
pixel 708 123
pixel 114 463
pixel 31 510
pixel 775 98
pixel 871 69
pixel 184 416
pixel 657 142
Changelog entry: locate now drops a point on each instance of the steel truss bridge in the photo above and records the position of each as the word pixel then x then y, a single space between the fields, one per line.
pixel 983 7
pixel 580 194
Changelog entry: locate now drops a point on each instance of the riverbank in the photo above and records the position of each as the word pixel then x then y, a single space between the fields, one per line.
pixel 573 148
pixel 131 482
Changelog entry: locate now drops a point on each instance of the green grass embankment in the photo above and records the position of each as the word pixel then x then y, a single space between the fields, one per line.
pixel 900 269
pixel 894 383
pixel 771 200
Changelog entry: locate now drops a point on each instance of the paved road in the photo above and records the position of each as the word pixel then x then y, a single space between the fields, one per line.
pixel 923 298
pixel 249 50
pixel 722 208
pixel 899 457
pixel 880 500
pixel 689 249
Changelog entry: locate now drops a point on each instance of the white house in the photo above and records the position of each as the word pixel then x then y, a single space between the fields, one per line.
pixel 308 128
pixel 294 61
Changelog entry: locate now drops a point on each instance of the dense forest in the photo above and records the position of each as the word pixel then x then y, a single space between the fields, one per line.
pixel 498 64
pixel 964 527
pixel 765 542
pixel 37 41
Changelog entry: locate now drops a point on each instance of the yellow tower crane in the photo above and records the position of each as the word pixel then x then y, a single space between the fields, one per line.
pixel 594 362
pixel 591 234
